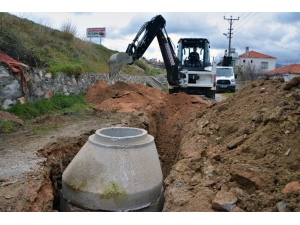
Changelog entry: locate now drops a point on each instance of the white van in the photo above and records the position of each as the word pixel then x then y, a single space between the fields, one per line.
pixel 225 79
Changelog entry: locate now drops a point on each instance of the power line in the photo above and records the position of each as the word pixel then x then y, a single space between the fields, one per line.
pixel 242 19
pixel 245 22
pixel 238 44
pixel 268 43
pixel 297 58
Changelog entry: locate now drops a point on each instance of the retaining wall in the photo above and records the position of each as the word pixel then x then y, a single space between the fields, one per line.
pixel 43 85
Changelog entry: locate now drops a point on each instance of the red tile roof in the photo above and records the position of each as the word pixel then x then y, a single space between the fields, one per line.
pixel 254 54
pixel 292 68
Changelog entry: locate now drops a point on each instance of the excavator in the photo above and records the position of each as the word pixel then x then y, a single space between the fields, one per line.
pixel 184 74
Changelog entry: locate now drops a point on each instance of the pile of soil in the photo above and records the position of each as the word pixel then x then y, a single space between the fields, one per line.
pixel 242 154
pixel 164 116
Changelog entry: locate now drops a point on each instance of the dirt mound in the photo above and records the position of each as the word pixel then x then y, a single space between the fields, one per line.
pixel 246 147
pixel 164 116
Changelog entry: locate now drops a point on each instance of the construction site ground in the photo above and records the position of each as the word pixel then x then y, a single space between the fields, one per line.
pixel 238 155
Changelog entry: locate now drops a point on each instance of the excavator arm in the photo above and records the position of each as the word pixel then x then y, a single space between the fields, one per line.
pixel 136 49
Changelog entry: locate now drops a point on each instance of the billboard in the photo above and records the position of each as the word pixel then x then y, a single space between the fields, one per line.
pixel 96 32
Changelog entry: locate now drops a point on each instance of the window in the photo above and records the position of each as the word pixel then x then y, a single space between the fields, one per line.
pixel 264 65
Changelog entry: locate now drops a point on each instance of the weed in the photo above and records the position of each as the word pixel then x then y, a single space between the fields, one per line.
pixel 8 126
pixel 45 106
pixel 227 94
pixel 43 129
pixel 140 64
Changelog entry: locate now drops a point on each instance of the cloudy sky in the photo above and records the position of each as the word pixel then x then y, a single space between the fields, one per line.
pixel 274 33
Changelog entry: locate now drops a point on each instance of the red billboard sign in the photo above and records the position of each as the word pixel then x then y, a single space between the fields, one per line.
pixel 96 32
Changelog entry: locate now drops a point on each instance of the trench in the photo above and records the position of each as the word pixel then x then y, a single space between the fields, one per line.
pixel 60 153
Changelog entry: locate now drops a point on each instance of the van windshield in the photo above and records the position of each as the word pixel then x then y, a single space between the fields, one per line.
pixel 227 72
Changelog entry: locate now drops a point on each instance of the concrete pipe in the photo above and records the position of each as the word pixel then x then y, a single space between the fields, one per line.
pixel 117 169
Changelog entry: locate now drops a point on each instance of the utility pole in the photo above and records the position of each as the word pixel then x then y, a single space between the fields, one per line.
pixel 230 33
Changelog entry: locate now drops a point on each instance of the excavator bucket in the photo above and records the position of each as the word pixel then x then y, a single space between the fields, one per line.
pixel 117 61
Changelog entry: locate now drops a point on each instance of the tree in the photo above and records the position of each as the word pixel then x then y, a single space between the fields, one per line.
pixel 251 72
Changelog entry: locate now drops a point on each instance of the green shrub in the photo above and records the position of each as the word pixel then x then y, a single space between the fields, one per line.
pixel 46 106
pixel 8 126
pixel 140 64
pixel 69 69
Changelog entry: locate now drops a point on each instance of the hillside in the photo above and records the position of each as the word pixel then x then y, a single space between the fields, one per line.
pixel 55 51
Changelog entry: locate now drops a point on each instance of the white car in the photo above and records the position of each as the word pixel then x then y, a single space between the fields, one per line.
pixel 225 80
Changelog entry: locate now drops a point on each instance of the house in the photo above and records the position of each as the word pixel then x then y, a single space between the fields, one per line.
pixel 259 60
pixel 287 72
pixel 159 64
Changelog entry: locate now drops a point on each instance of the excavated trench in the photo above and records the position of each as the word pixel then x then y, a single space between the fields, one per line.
pixel 59 154
pixel 165 117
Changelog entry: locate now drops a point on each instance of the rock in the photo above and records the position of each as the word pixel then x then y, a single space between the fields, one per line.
pixel 237 209
pixel 272 115
pixel 48 75
pixel 237 191
pixel 48 94
pixel 181 166
pixel 236 142
pixel 7 103
pixel 228 128
pixel 211 150
pixel 292 186
pixel 3 72
pixel 21 100
pixel 222 108
pixel 251 176
pixel 292 83
pixel 206 182
pixel 224 201
pixel 203 123
pixel 39 92
pixel 287 152
pixel 8 116
pixel 196 179
pixel 259 153
pixel 4 179
pixel 11 88
pixel 281 206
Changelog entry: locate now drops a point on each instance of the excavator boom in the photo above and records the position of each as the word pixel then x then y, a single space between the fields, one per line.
pixel 136 49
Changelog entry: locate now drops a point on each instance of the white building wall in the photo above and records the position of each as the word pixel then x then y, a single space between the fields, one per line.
pixel 257 62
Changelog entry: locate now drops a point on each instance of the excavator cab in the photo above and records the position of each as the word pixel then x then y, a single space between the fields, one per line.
pixel 187 57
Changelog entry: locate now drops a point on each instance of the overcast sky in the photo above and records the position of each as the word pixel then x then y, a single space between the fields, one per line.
pixel 275 34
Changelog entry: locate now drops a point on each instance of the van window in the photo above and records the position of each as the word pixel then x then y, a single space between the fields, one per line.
pixel 227 72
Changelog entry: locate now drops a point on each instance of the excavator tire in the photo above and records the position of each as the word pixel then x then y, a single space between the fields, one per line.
pixel 211 94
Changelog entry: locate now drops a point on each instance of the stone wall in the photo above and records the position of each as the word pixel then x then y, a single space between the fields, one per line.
pixel 43 85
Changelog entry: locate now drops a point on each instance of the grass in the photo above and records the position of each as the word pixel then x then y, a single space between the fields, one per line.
pixel 58 102
pixel 43 129
pixel 74 105
pixel 228 93
pixel 8 126
pixel 53 50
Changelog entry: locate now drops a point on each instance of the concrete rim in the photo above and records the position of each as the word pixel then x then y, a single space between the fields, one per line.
pixel 123 137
